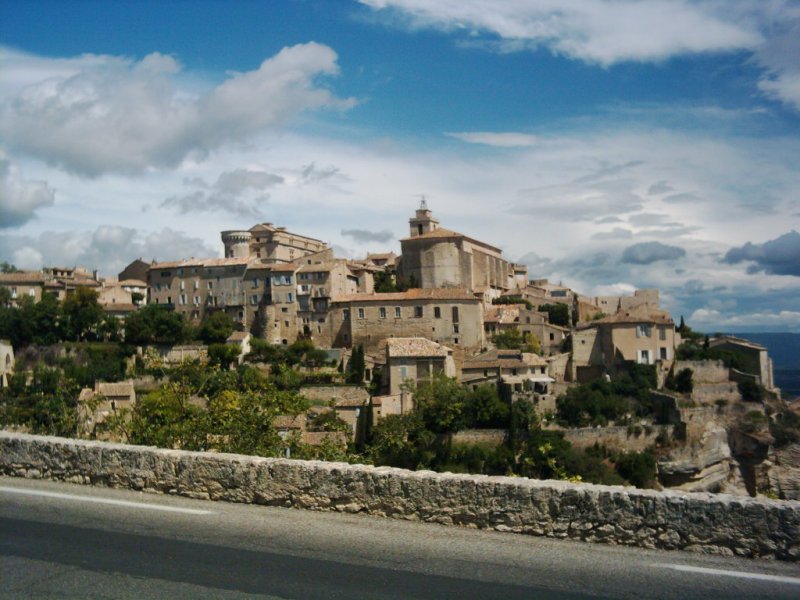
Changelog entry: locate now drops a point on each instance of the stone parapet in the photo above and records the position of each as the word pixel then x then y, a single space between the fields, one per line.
pixel 701 522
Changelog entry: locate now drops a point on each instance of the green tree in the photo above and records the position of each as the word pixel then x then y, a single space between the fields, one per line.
pixel 81 314
pixel 216 327
pixel 6 267
pixel 223 355
pixel 385 283
pixel 155 324
pixel 45 321
pixel 684 383
pixel 557 314
pixel 357 366
pixel 440 404
pixel 484 408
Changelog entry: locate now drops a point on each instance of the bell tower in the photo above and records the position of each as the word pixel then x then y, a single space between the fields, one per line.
pixel 422 222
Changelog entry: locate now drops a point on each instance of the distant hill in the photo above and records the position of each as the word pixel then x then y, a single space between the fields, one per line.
pixel 784 348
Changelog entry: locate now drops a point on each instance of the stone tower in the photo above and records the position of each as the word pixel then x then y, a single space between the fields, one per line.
pixel 237 243
pixel 422 222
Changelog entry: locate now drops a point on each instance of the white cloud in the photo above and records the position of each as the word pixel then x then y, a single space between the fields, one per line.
pixel 596 31
pixel 712 319
pixel 497 139
pixel 20 198
pixel 98 114
pixel 239 192
pixel 108 248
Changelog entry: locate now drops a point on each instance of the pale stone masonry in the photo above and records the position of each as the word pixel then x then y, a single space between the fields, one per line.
pixel 699 522
pixel 449 316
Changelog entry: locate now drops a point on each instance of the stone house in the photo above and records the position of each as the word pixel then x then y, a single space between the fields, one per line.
pixel 6 362
pixel 23 284
pixel 756 358
pixel 641 335
pixel 414 360
pixel 521 371
pixel 96 406
pixel 136 270
pixel 349 403
pixel 449 316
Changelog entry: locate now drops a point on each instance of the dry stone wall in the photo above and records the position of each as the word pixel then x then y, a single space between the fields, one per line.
pixel 614 515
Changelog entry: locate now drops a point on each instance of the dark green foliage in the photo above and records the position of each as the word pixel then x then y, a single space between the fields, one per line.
pixel 385 283
pixel 750 391
pixel 223 355
pixel 7 267
pixel 599 402
pixel 785 428
pixel 47 405
pixel 482 408
pixel 356 367
pixel 87 363
pixel 513 300
pixel 32 323
pixel 216 328
pixel 683 381
pixel 558 314
pixel 639 468
pixel 155 324
pixel 514 339
pixel 440 403
pixel 81 314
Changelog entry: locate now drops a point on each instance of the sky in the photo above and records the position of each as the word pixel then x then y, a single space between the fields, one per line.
pixel 609 145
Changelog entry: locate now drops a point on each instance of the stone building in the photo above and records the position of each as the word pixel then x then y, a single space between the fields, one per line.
pixel 414 360
pixel 23 284
pixel 755 357
pixel 270 244
pixel 449 316
pixel 641 335
pixel 96 406
pixel 435 257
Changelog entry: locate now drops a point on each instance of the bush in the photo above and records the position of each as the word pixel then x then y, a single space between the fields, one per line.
pixel 639 468
pixel 751 391
pixel 683 382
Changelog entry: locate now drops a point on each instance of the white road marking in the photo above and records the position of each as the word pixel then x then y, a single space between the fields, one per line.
pixel 740 574
pixel 142 505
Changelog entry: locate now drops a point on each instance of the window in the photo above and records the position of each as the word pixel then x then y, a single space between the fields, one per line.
pixel 552 337
pixel 455 328
pixel 169 299
pixel 382 312
pixel 662 334
pixel 664 354
pixel 196 284
pixel 284 309
pixel 396 312
pixel 183 285
pixel 360 313
pixel 437 312
pixel 166 273
pixel 346 314
pixel 290 297
pixel 455 315
pixel 255 282
pixel 254 299
pixel 13 292
pixel 643 330
pixel 418 312
pixel 644 357
pixel 197 300
pixel 455 341
pixel 211 285
pixel 31 292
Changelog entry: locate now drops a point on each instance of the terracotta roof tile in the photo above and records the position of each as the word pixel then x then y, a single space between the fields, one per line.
pixel 413 294
pixel 422 347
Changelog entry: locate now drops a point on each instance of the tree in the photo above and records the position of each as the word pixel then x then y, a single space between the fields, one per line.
pixel 484 408
pixel 385 283
pixel 155 324
pixel 223 355
pixel 683 381
pixel 357 366
pixel 7 267
pixel 440 404
pixel 81 314
pixel 557 314
pixel 45 317
pixel 216 328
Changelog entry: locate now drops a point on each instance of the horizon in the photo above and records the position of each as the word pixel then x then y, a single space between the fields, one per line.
pixel 604 156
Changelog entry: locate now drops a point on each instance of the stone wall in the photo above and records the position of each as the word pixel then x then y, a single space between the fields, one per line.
pixel 616 437
pixel 615 515
pixel 488 437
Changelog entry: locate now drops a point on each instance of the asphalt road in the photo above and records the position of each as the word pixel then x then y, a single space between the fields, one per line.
pixel 67 541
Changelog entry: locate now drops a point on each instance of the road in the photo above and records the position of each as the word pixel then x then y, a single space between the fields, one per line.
pixel 67 541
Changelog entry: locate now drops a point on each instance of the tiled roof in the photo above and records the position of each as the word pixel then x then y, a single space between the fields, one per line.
pixel 413 294
pixel 507 359
pixel 238 336
pixel 132 283
pixel 729 339
pixel 637 314
pixel 203 262
pixel 440 233
pixel 21 277
pixel 401 347
pixel 502 314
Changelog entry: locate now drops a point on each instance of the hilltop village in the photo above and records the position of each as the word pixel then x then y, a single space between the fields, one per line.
pixel 447 337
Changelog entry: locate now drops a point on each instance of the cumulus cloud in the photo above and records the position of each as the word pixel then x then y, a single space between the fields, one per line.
pixel 99 114
pixel 646 253
pixel 238 192
pixel 596 31
pixel 769 320
pixel 107 248
pixel 780 256
pixel 363 236
pixel 19 198
pixel 618 233
pixel 497 139
pixel 778 55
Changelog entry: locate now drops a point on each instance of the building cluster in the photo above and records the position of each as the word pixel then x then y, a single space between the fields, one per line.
pixel 458 294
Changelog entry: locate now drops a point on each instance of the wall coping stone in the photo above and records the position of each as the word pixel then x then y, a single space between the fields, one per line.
pixel 702 522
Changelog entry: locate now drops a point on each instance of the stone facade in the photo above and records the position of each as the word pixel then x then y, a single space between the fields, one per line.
pixel 707 523
pixel 453 317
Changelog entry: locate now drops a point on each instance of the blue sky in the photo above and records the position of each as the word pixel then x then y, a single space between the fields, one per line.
pixel 608 144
